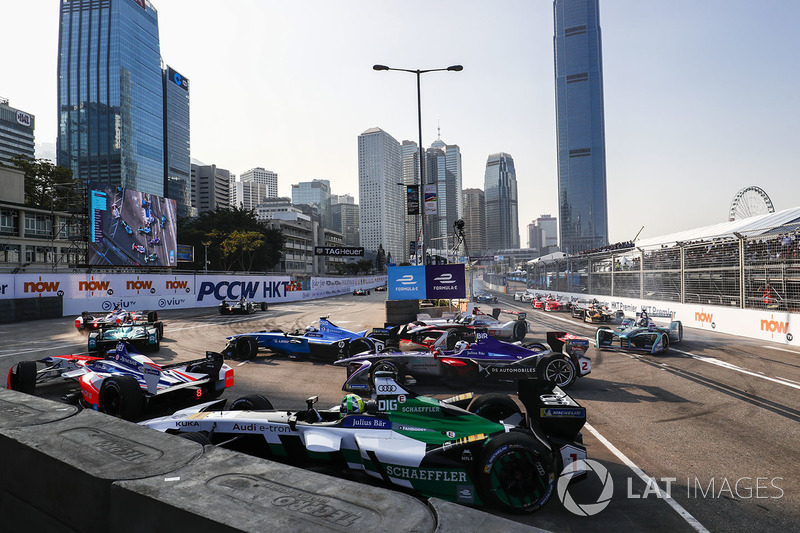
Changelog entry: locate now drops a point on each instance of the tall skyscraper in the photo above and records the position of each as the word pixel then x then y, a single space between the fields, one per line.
pixel 381 209
pixel 267 177
pixel 249 194
pixel 444 169
pixel 177 161
pixel 500 186
pixel 475 220
pixel 110 94
pixel 16 133
pixel 345 220
pixel 580 124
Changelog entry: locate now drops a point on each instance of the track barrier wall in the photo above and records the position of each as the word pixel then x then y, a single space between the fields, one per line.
pixel 100 292
pixel 71 470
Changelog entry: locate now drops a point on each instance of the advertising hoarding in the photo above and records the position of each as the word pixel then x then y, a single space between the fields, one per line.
pixel 131 228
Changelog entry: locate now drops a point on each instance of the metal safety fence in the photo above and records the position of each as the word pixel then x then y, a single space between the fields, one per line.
pixel 759 270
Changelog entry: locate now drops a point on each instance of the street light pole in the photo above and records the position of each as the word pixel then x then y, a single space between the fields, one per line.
pixel 419 72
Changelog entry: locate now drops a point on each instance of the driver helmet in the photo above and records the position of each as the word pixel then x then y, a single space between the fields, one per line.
pixel 310 328
pixel 461 346
pixel 352 404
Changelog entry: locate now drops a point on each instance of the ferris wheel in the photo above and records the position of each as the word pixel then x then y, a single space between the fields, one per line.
pixel 749 202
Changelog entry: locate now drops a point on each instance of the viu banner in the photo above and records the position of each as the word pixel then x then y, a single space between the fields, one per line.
pixel 427 282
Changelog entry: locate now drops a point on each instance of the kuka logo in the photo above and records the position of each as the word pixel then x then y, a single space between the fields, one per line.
pixel 774 326
pixel 40 286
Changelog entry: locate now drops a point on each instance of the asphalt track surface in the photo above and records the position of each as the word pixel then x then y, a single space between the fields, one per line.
pixel 714 421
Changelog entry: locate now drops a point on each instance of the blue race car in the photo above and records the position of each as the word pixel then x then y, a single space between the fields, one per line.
pixel 640 334
pixel 485 297
pixel 329 342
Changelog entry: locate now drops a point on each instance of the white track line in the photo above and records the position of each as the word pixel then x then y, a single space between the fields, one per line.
pixel 729 366
pixel 691 520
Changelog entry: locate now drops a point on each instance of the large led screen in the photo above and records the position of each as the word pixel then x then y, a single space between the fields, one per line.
pixel 131 228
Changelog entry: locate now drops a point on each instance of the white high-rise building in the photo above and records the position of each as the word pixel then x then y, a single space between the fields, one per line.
pixel 267 177
pixel 249 194
pixel 381 214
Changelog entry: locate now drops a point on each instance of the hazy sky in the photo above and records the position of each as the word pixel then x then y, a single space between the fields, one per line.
pixel 701 97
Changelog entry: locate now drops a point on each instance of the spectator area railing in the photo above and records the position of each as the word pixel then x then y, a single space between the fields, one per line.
pixel 760 270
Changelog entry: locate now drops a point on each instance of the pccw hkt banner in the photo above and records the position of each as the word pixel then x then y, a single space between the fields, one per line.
pixel 427 282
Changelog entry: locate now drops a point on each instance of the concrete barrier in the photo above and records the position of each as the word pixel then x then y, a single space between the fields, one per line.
pixel 70 470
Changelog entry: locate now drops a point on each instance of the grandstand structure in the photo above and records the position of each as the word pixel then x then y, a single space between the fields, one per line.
pixel 753 263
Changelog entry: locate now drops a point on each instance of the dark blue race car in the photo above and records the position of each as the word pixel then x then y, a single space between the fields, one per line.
pixel 328 342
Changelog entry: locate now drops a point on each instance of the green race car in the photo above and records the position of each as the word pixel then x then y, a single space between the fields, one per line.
pixel 471 450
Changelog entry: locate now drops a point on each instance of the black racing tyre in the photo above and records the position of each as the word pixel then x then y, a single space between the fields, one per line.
pixel 367 293
pixel 121 396
pixel 152 316
pixel 264 306
pixel 537 346
pixel 211 392
pixel 224 311
pixel 22 377
pixel 196 436
pixel 494 406
pixel 160 328
pixel 252 402
pixel 665 342
pixel 357 346
pixel 680 331
pixel 245 347
pixel 383 364
pixel 516 473
pixel 559 369
pixel 520 330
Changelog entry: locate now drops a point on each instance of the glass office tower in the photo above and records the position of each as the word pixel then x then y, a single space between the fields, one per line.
pixel 500 190
pixel 583 207
pixel 110 99
pixel 177 160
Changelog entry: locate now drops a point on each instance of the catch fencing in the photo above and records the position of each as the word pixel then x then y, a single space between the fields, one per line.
pixel 760 270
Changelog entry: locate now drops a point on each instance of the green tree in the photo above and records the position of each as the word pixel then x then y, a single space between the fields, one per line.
pixel 235 239
pixel 48 185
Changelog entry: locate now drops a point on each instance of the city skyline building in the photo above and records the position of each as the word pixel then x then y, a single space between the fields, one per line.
pixel 582 200
pixel 260 175
pixel 17 133
pixel 177 158
pixel 345 220
pixel 210 187
pixel 500 189
pixel 316 193
pixel 249 194
pixel 110 94
pixel 444 170
pixel 475 220
pixel 379 172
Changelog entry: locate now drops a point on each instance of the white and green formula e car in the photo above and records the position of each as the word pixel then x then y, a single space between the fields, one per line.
pixel 472 450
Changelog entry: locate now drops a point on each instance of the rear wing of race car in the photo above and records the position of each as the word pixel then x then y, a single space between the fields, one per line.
pixel 567 343
pixel 210 365
pixel 521 315
pixel 551 409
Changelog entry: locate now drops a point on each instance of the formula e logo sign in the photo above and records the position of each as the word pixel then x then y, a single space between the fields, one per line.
pixel 445 281
pixel 407 283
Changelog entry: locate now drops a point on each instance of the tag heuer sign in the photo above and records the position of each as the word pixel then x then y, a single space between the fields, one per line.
pixel 341 251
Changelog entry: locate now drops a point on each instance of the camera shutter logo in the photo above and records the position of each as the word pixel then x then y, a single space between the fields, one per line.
pixel 585 509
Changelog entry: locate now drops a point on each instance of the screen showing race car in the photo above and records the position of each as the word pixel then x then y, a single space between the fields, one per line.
pixel 131 228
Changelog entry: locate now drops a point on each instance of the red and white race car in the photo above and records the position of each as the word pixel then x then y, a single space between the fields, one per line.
pixel 118 316
pixel 125 382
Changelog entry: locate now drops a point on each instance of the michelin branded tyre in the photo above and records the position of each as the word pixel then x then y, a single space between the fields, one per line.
pixel 558 369
pixel 22 377
pixel 252 402
pixel 121 396
pixel 245 347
